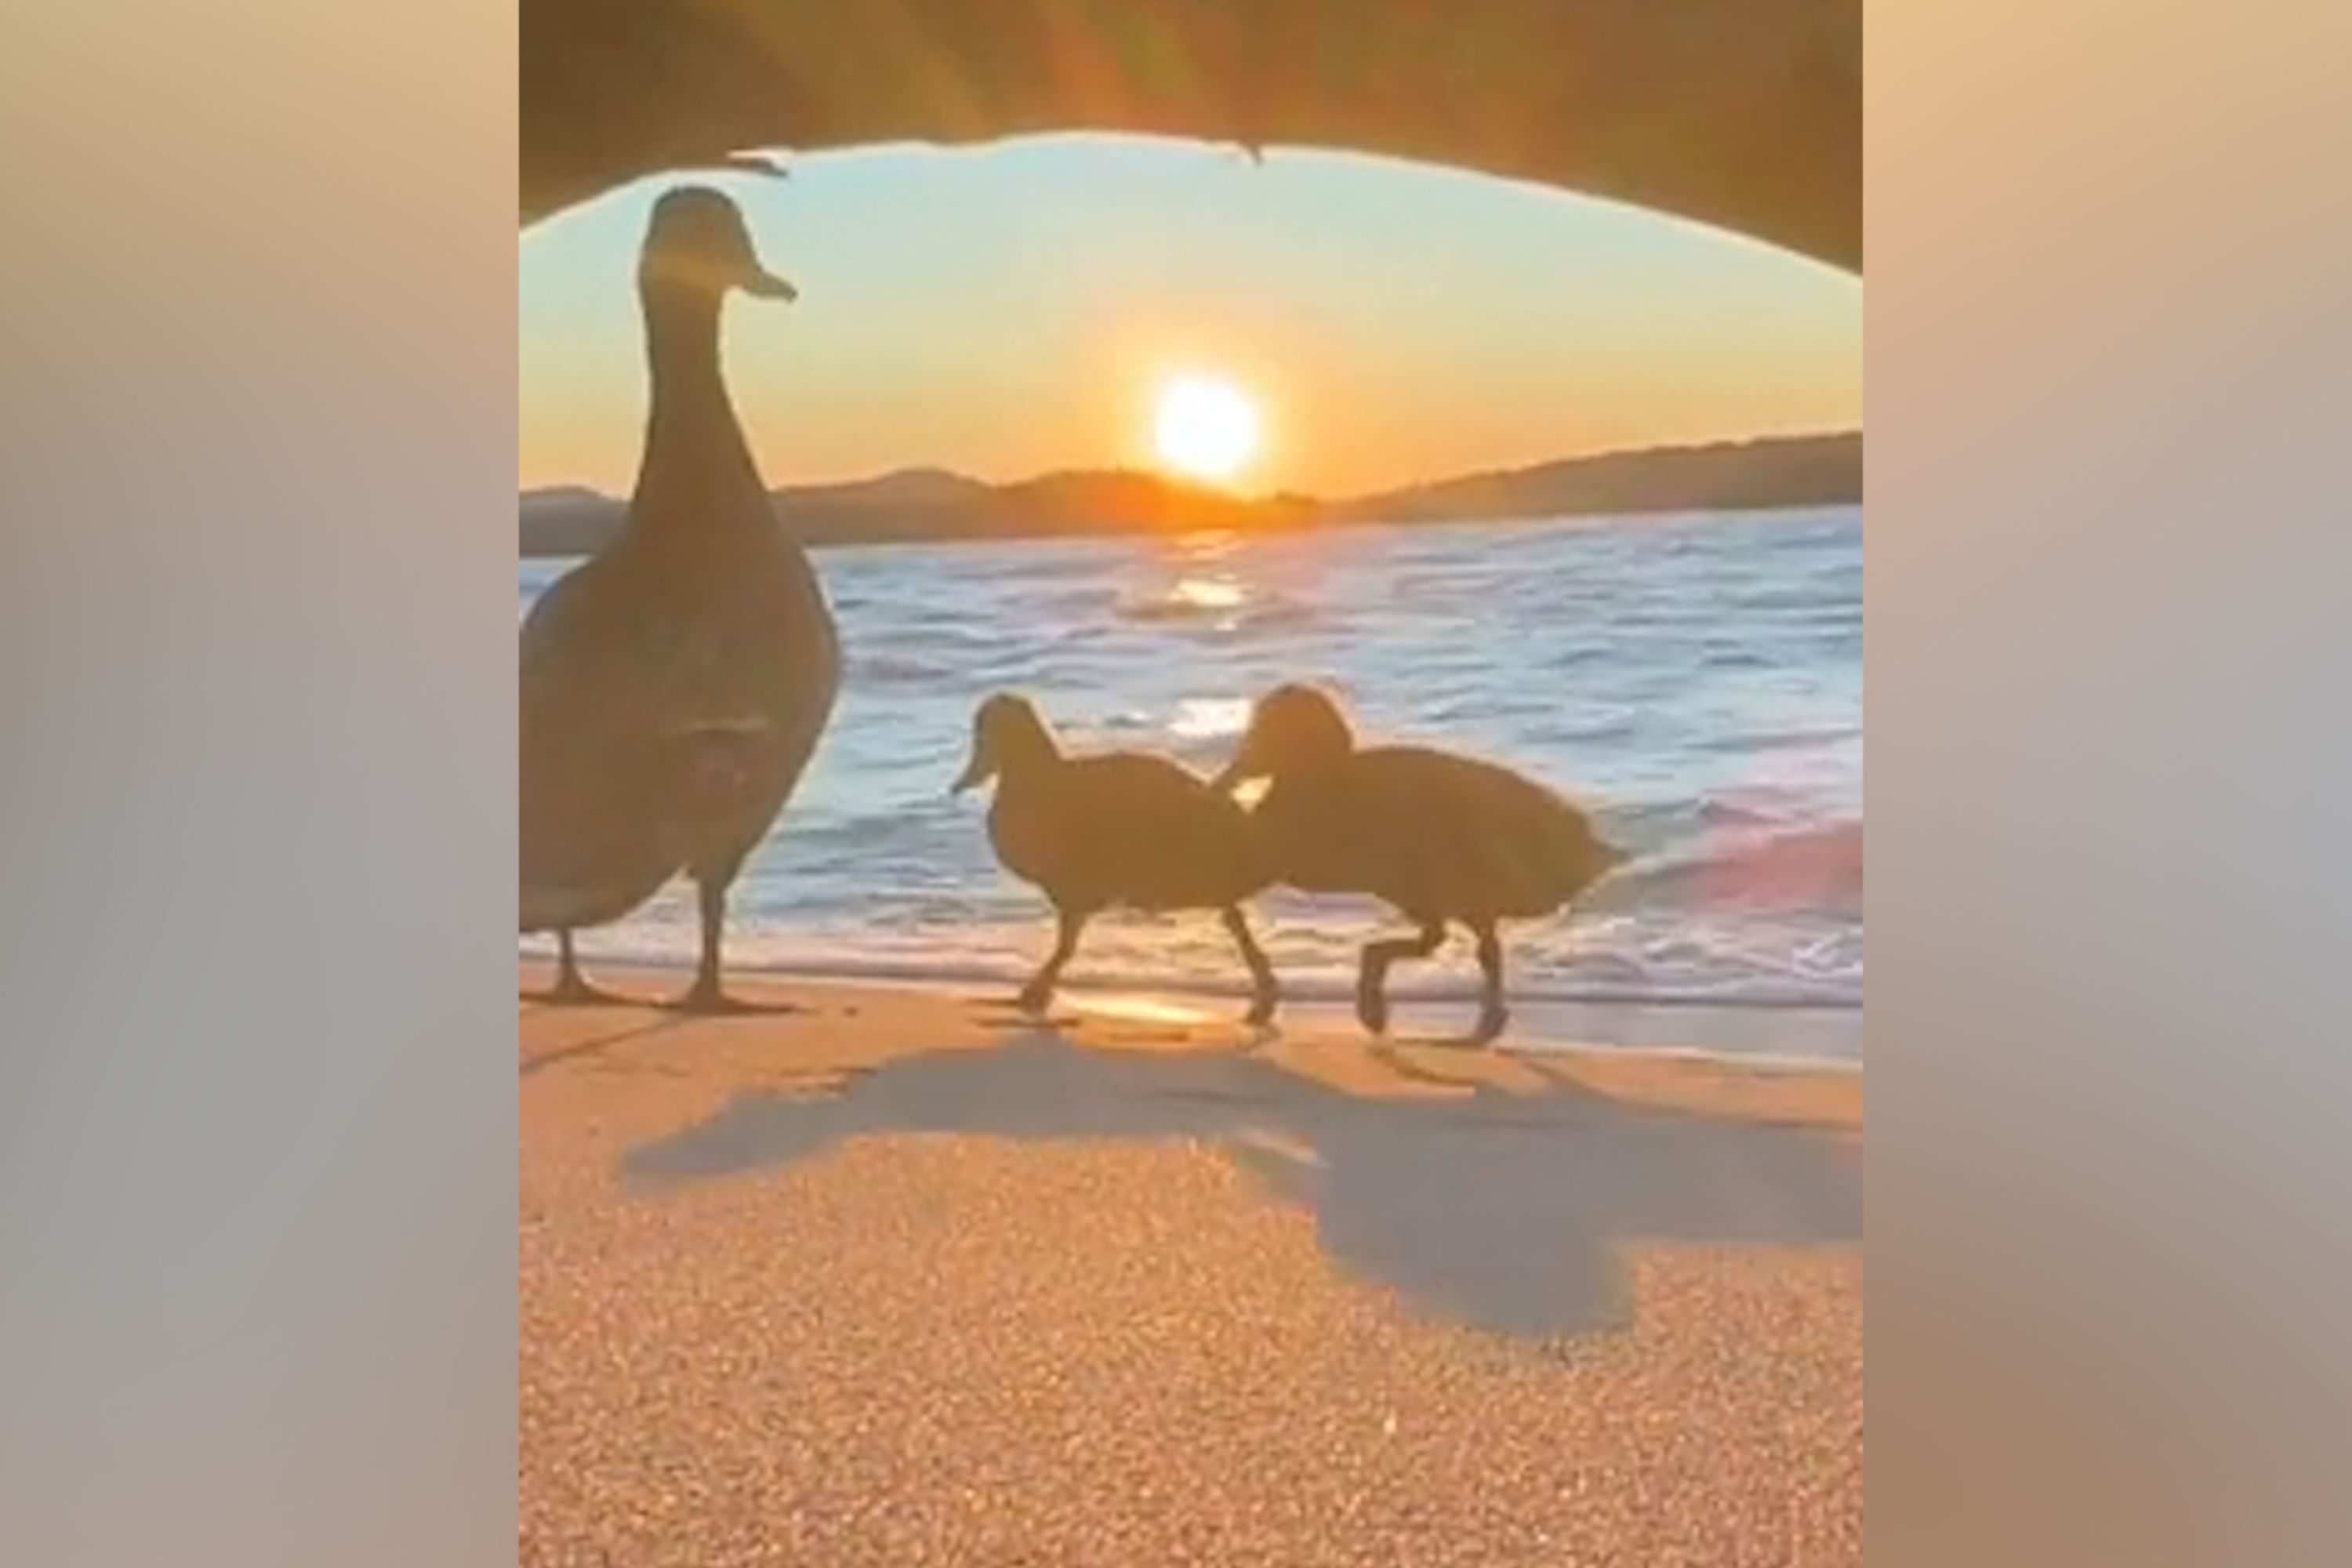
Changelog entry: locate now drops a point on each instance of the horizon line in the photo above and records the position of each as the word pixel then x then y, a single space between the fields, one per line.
pixel 1239 493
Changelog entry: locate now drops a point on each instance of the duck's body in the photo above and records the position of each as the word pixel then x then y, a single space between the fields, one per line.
pixel 674 688
pixel 1442 838
pixel 671 696
pixel 1483 843
pixel 1121 830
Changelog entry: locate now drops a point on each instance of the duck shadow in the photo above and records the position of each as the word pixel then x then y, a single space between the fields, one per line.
pixel 1496 1211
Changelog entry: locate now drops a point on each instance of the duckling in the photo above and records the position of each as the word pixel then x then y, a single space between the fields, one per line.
pixel 1117 830
pixel 674 688
pixel 1443 839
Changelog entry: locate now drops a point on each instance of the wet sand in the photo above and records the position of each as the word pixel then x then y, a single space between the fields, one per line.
pixel 901 1280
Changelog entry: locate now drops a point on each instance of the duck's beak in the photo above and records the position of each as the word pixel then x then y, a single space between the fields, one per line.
pixel 975 774
pixel 765 284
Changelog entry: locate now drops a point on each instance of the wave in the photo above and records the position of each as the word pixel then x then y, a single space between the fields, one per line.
pixel 1654 824
pixel 892 670
pixel 854 958
pixel 1813 867
pixel 1649 953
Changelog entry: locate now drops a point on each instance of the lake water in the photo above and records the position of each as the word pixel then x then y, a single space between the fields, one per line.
pixel 1695 682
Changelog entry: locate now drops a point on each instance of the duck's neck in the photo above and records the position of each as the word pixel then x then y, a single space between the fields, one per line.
pixel 697 469
pixel 1026 766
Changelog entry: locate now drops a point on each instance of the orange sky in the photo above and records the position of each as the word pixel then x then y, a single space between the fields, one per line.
pixel 1016 309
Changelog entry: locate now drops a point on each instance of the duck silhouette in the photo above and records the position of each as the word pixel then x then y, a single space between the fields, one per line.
pixel 1119 830
pixel 673 688
pixel 1443 839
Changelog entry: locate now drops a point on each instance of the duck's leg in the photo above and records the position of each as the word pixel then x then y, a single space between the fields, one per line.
pixel 1372 978
pixel 1268 992
pixel 571 988
pixel 708 995
pixel 1039 992
pixel 570 985
pixel 1493 1016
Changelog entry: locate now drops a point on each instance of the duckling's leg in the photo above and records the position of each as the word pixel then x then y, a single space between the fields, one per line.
pixel 1492 1015
pixel 1268 992
pixel 1372 978
pixel 1039 992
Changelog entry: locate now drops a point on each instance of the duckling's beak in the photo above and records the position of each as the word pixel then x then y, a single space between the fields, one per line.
pixel 975 774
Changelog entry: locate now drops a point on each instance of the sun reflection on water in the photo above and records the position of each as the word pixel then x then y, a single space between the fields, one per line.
pixel 1209 718
pixel 1206 593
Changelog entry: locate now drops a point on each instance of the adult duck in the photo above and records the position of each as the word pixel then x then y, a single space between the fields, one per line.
pixel 1443 839
pixel 674 687
pixel 1117 830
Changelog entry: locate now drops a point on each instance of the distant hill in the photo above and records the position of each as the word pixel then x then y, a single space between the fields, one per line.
pixel 567 519
pixel 1730 476
pixel 933 505
pixel 913 490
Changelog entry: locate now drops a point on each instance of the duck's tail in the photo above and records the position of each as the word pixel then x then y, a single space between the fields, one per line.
pixel 1580 856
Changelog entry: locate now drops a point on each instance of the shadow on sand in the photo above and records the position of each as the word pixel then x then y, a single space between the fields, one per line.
pixel 1498 1211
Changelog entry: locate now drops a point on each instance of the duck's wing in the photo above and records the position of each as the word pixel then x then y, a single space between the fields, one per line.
pixel 1481 837
pixel 1154 833
pixel 591 754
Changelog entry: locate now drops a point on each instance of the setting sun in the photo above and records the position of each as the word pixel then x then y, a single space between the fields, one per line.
pixel 1206 429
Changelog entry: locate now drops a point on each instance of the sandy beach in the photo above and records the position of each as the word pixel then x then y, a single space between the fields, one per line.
pixel 899 1278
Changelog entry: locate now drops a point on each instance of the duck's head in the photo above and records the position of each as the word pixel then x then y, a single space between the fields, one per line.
pixel 1006 733
pixel 1292 729
pixel 696 241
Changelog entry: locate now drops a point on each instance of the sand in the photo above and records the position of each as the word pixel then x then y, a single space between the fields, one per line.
pixel 901 1280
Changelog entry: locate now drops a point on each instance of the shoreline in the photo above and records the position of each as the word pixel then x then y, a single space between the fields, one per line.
pixel 1741 1032
pixel 886 1022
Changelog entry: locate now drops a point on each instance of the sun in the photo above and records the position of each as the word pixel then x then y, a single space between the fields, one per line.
pixel 1205 428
